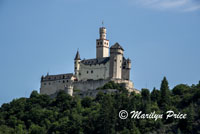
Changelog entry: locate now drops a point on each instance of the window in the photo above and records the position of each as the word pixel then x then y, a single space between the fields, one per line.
pixel 44 83
pixel 49 83
pixel 92 71
pixel 63 81
pixel 75 67
pixel 87 72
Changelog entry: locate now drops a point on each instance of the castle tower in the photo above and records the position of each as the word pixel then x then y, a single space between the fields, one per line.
pixel 128 65
pixel 116 57
pixel 128 69
pixel 69 89
pixel 77 61
pixel 102 44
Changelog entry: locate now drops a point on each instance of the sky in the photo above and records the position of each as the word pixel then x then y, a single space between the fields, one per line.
pixel 161 37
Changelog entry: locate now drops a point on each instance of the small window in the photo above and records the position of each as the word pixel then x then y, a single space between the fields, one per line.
pixel 44 83
pixel 49 83
pixel 75 67
pixel 115 60
pixel 63 81
pixel 92 71
pixel 67 81
pixel 87 72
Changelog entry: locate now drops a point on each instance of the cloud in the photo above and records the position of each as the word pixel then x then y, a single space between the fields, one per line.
pixel 181 5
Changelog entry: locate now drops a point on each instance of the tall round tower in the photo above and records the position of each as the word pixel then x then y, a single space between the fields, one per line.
pixel 102 44
pixel 116 58
pixel 102 32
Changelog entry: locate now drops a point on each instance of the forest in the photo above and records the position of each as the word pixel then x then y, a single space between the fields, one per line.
pixel 64 114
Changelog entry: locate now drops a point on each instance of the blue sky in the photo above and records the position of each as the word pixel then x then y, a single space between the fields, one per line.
pixel 161 37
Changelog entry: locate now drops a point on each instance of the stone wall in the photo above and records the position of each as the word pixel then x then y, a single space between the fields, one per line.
pixel 51 87
pixel 89 85
pixel 94 72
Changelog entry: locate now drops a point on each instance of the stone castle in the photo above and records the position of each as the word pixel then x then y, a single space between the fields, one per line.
pixel 89 74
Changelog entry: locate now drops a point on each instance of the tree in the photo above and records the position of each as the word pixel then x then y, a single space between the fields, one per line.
pixel 180 89
pixel 86 102
pixel 34 93
pixel 155 95
pixel 165 94
pixel 146 100
pixel 35 129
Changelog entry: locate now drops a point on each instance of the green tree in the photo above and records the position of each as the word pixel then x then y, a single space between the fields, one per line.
pixel 165 94
pixel 35 129
pixel 86 102
pixel 155 95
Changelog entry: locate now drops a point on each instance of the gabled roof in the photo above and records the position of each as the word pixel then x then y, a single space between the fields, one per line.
pixel 77 57
pixel 117 46
pixel 95 61
pixel 57 77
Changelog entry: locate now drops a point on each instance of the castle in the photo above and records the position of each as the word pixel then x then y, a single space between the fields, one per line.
pixel 89 74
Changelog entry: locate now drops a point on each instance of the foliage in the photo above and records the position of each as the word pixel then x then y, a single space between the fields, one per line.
pixel 40 114
pixel 111 85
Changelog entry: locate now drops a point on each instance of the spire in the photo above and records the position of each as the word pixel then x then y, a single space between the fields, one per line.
pixel 77 57
pixel 117 46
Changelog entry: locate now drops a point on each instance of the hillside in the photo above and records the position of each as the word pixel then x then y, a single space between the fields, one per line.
pixel 40 114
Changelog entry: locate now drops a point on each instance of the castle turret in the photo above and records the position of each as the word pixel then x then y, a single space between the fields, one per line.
pixel 69 89
pixel 116 57
pixel 128 65
pixel 126 69
pixel 77 60
pixel 102 44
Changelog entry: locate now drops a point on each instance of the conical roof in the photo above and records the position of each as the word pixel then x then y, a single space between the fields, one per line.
pixel 117 46
pixel 77 57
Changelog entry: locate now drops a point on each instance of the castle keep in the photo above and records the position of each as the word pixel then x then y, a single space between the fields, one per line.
pixel 89 74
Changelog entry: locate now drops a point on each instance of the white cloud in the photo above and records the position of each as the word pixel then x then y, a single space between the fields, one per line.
pixel 181 5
